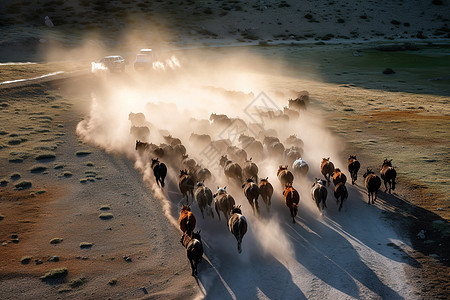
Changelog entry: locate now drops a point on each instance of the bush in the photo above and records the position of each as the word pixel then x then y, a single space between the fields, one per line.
pixel 38 168
pixel 56 240
pixel 25 260
pixel 22 185
pixel 55 273
pixel 106 216
pixel 86 245
pixel 47 155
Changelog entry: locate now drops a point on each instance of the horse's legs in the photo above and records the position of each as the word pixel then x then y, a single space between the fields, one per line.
pixel 256 205
pixel 342 202
pixel 193 267
pixel 201 209
pixel 368 202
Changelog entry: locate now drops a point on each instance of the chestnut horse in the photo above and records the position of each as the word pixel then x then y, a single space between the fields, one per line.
pixel 353 166
pixel 237 225
pixel 186 184
pixel 373 183
pixel 159 171
pixel 339 177
pixel 388 174
pixel 291 198
pixel 186 220
pixel 223 202
pixel 194 249
pixel 266 191
pixel 327 169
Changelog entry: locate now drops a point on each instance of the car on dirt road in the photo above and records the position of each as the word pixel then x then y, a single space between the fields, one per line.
pixel 112 63
pixel 144 60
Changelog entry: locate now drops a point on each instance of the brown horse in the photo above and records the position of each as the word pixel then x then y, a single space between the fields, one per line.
pixel 194 249
pixel 353 166
pixel 186 184
pixel 223 202
pixel 327 169
pixel 340 192
pixel 251 192
pixel 204 198
pixel 266 191
pixel 373 183
pixel 250 170
pixel 388 174
pixel 285 176
pixel 291 198
pixel 319 194
pixel 231 170
pixel 186 220
pixel 159 171
pixel 237 225
pixel 339 177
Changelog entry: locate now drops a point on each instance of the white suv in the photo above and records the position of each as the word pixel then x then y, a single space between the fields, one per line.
pixel 144 60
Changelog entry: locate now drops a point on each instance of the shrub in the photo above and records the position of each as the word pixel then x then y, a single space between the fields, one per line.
pixel 55 273
pixel 38 168
pixel 83 153
pixel 106 216
pixel 47 155
pixel 25 260
pixel 22 185
pixel 74 283
pixel 86 245
pixel 56 240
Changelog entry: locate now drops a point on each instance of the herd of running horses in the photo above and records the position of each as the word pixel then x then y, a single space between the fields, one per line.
pixel 243 172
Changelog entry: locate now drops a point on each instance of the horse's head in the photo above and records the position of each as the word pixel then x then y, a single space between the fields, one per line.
pixel 183 172
pixel 369 171
pixel 337 170
pixel 221 190
pixel 324 160
pixel 200 183
pixel 196 235
pixel 236 209
pixel 281 168
pixel 155 161
pixel 352 157
pixel 223 160
pixel 186 208
pixel 387 163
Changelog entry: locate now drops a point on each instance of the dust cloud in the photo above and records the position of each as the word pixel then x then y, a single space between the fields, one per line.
pixel 177 99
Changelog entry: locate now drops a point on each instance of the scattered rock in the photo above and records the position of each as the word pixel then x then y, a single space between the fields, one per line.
pixel 105 207
pixel 14 236
pixel 15 241
pixel 127 259
pixel 23 185
pixel 74 283
pixel 38 261
pixel 113 281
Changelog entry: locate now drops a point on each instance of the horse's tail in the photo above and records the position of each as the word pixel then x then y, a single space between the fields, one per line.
pixel 393 183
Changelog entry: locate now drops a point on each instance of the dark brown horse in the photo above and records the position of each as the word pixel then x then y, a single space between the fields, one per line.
pixel 266 191
pixel 340 193
pixel 194 249
pixel 353 166
pixel 237 225
pixel 186 184
pixel 388 174
pixel 251 192
pixel 186 220
pixel 231 170
pixel 327 169
pixel 159 171
pixel 291 198
pixel 319 194
pixel 223 202
pixel 339 177
pixel 373 183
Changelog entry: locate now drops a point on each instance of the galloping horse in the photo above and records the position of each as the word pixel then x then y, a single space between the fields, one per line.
pixel 237 225
pixel 339 177
pixel 319 194
pixel 204 198
pixel 327 169
pixel 284 176
pixel 353 166
pixel 266 191
pixel 373 183
pixel 194 249
pixel 223 202
pixel 251 192
pixel 159 170
pixel 186 184
pixel 186 220
pixel 291 198
pixel 340 192
pixel 388 174
pixel 231 169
